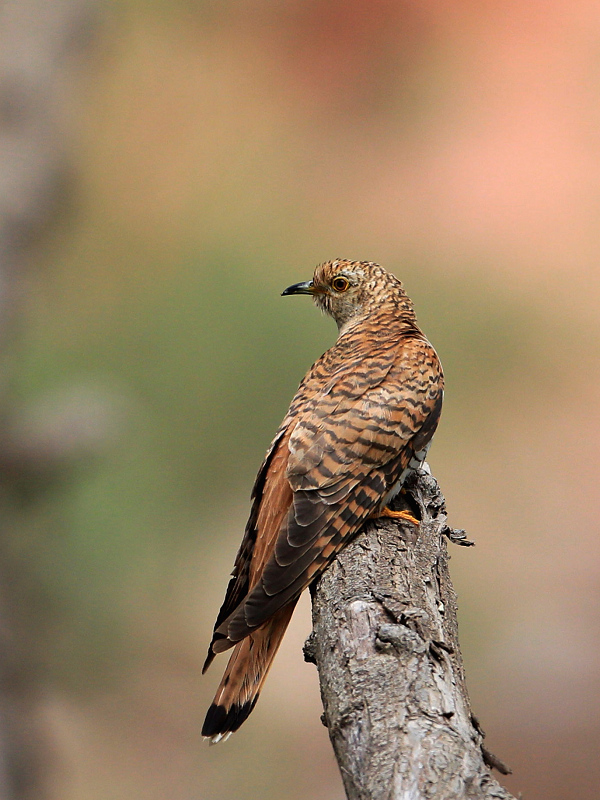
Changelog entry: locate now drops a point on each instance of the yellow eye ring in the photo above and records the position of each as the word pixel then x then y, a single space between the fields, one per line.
pixel 340 284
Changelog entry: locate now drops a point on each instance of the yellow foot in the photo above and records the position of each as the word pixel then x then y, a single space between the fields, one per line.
pixel 387 512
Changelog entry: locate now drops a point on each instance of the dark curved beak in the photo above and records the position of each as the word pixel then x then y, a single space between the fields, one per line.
pixel 305 287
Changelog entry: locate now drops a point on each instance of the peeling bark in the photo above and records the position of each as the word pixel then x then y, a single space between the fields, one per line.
pixel 385 641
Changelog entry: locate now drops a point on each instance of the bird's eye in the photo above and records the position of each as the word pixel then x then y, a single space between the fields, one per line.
pixel 340 284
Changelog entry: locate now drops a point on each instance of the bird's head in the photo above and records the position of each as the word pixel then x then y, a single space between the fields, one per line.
pixel 351 290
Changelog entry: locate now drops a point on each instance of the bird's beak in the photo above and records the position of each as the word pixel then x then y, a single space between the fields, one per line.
pixel 305 287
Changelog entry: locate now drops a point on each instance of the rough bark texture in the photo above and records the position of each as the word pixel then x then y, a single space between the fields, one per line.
pixel 385 641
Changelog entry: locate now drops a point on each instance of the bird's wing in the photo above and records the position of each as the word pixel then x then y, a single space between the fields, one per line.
pixel 272 492
pixel 347 445
pixel 272 497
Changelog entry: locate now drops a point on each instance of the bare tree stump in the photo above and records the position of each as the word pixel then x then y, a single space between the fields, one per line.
pixel 385 641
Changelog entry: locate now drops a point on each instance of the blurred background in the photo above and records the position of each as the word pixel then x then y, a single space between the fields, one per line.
pixel 167 168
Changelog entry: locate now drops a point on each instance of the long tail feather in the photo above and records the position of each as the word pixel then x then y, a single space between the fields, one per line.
pixel 245 674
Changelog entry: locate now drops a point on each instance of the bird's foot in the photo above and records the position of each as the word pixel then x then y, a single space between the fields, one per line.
pixel 387 512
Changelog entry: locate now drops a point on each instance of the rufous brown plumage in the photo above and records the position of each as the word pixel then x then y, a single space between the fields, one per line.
pixel 361 420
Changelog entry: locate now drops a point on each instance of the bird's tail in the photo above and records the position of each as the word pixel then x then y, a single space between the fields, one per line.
pixel 245 674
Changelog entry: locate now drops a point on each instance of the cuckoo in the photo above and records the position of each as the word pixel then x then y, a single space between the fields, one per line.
pixel 361 420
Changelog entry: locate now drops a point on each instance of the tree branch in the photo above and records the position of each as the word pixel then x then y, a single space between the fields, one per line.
pixel 385 641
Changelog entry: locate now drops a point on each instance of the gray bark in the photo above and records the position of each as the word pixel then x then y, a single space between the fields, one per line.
pixel 385 641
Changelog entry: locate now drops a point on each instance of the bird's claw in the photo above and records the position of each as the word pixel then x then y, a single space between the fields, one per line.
pixel 405 515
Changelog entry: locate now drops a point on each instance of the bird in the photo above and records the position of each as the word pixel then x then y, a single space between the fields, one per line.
pixel 361 421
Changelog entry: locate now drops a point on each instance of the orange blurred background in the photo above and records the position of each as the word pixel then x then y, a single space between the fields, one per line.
pixel 221 150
